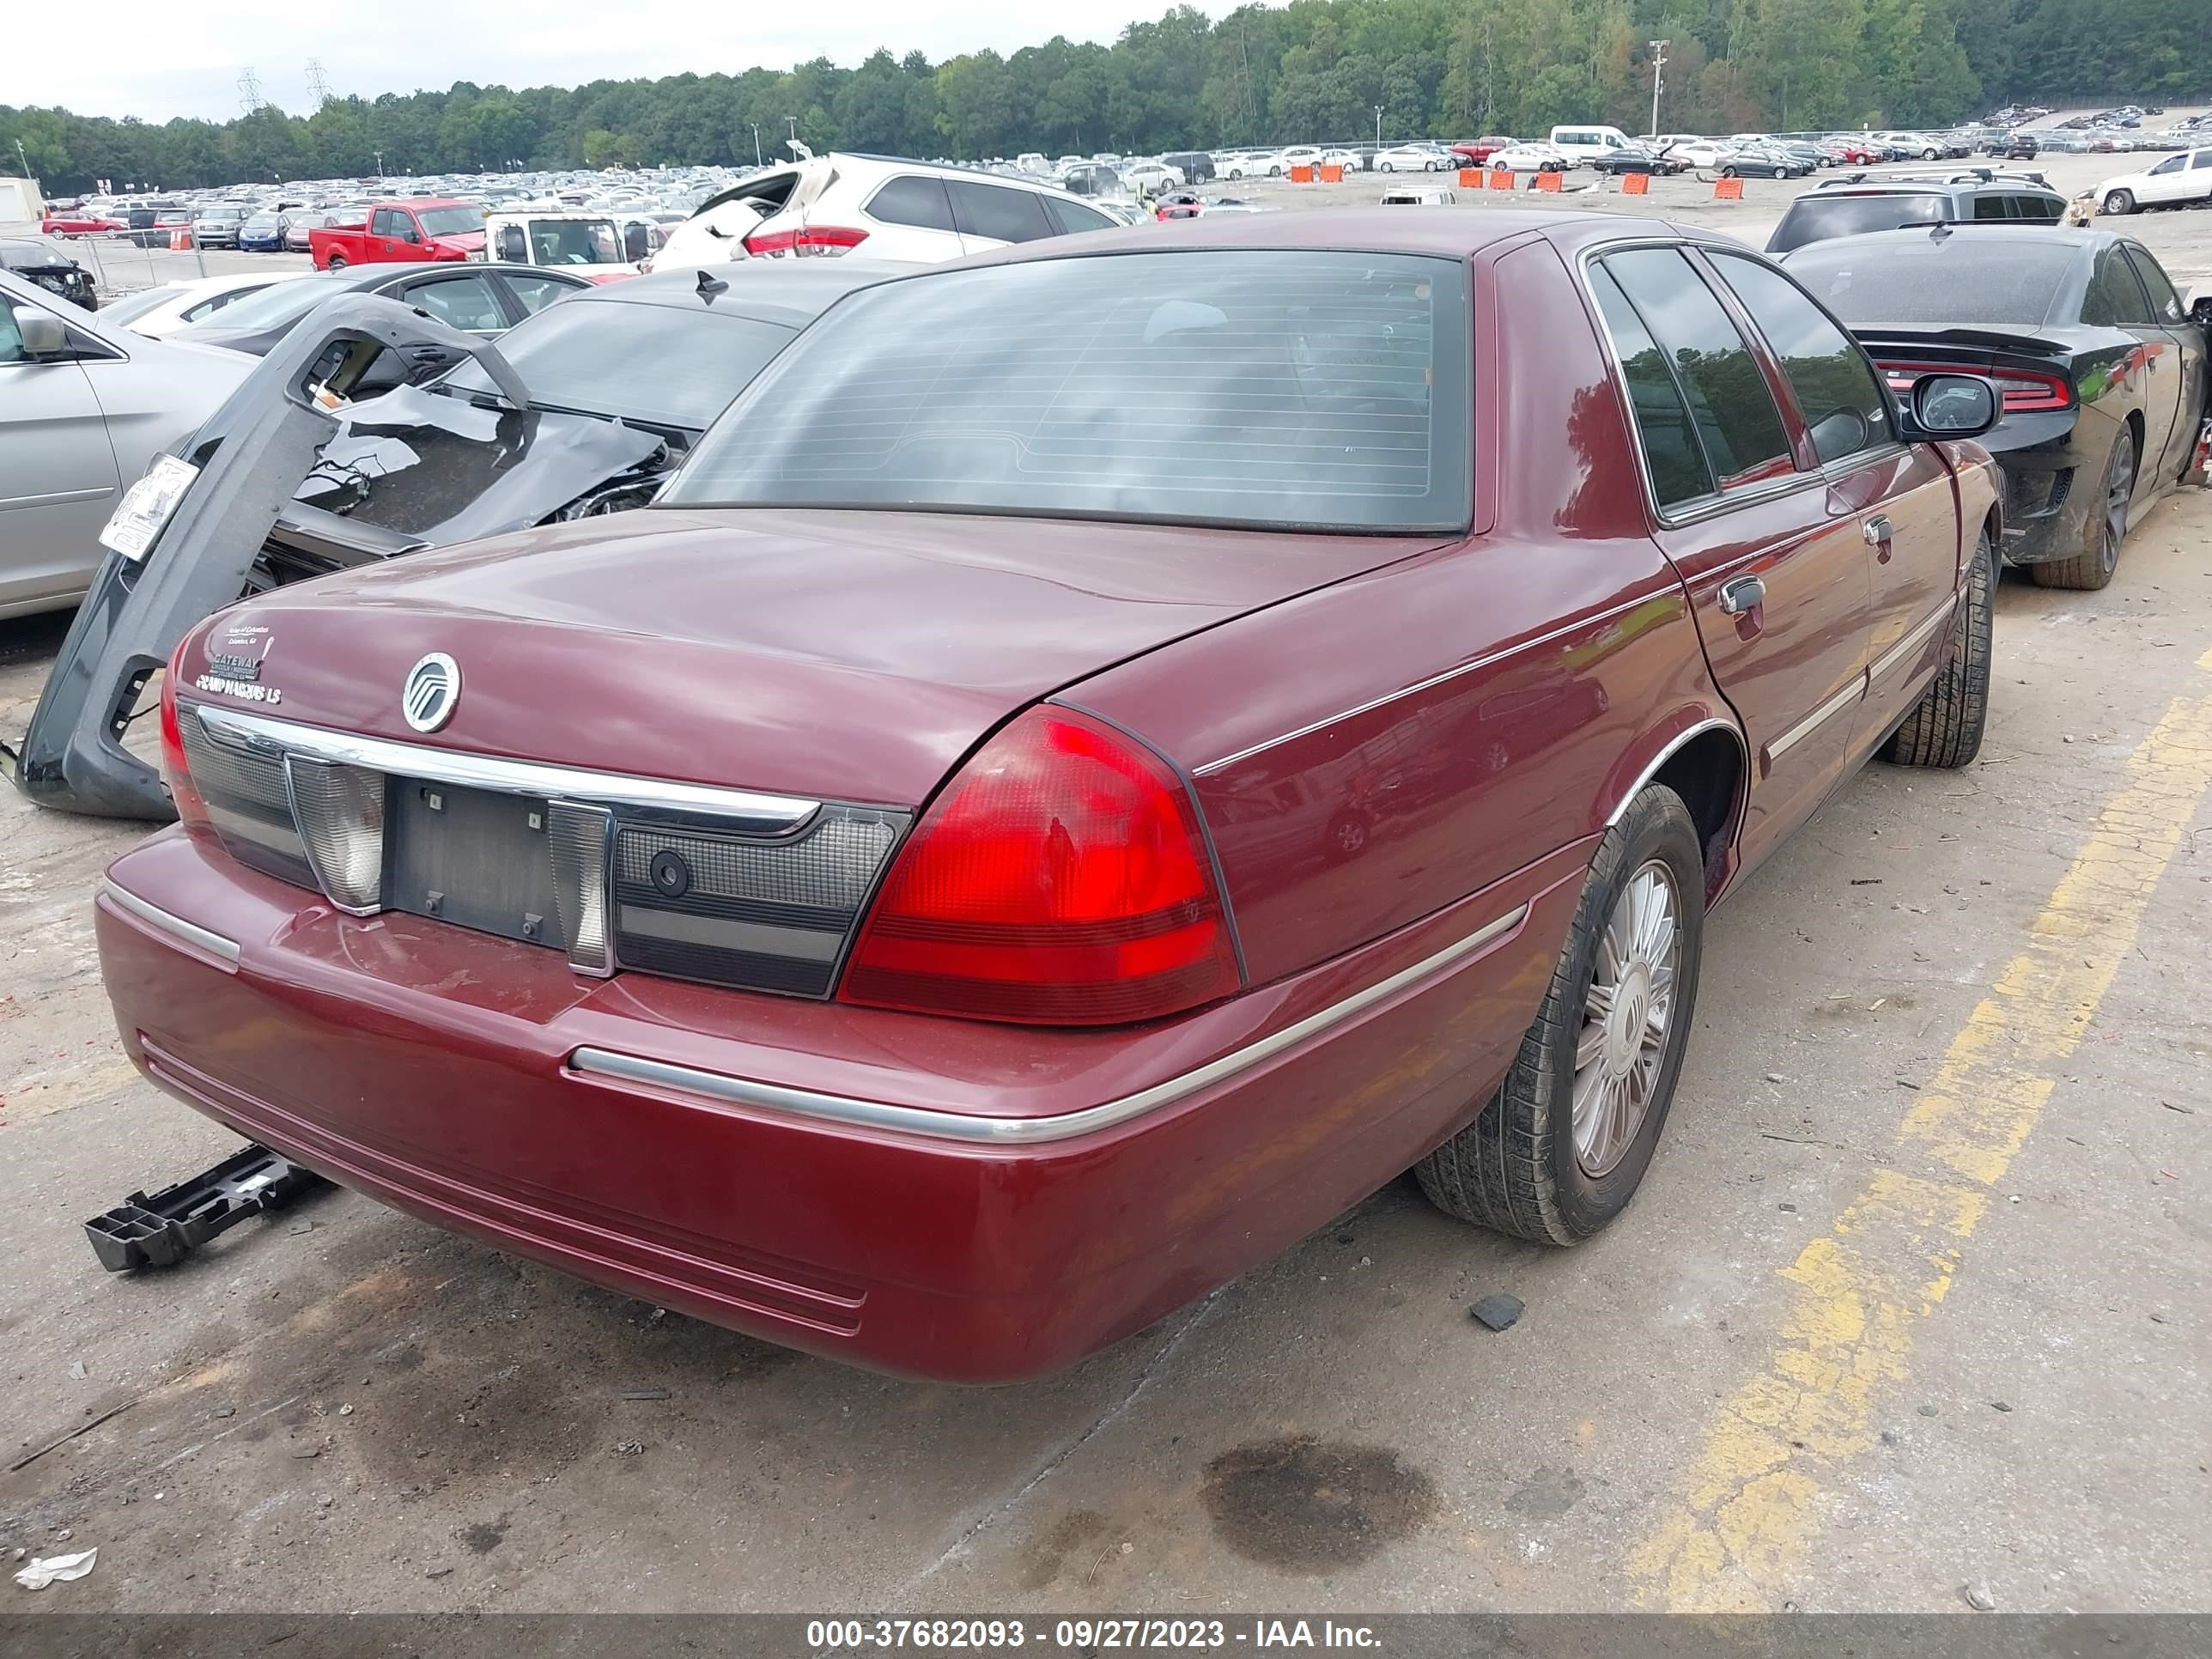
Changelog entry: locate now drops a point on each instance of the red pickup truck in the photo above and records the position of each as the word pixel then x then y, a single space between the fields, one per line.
pixel 427 227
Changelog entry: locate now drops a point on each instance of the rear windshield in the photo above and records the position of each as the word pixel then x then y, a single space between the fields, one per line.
pixel 282 303
pixel 1961 280
pixel 131 308
pixel 1315 391
pixel 659 364
pixel 1816 218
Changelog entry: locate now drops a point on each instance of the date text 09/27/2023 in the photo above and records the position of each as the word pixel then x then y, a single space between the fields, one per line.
pixel 832 1635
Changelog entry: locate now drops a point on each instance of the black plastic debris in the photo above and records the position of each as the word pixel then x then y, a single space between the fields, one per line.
pixel 162 1230
pixel 1498 1311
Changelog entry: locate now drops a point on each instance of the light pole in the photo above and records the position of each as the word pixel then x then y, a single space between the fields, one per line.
pixel 380 162
pixel 1658 80
pixel 1378 126
pixel 757 161
pixel 24 159
pixel 793 122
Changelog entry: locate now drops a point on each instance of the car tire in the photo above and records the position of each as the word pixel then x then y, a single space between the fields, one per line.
pixel 1384 166
pixel 1524 1166
pixel 2119 204
pixel 2093 567
pixel 1945 727
pixel 1729 173
pixel 337 262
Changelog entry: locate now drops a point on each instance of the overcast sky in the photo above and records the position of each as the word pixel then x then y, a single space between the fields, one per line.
pixel 158 58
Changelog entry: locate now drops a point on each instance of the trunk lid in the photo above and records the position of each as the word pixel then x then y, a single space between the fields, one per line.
pixel 853 656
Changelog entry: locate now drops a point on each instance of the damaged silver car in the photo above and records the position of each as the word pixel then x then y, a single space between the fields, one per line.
pixel 583 409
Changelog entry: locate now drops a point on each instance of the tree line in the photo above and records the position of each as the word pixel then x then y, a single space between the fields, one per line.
pixel 1331 69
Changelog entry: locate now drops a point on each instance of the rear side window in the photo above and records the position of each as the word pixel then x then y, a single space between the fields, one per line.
pixel 536 292
pixel 1732 410
pixel 2165 304
pixel 914 199
pixel 1671 451
pixel 384 223
pixel 1003 216
pixel 1073 217
pixel 1842 404
pixel 1819 218
pixel 1304 390
pixel 462 302
pixel 2115 299
pixel 1990 207
pixel 2039 209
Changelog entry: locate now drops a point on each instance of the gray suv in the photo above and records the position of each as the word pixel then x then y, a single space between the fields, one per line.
pixel 1855 203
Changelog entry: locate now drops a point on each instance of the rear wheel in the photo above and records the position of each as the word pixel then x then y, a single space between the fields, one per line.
pixel 2120 203
pixel 337 262
pixel 1558 1151
pixel 1729 172
pixel 1945 727
pixel 2093 567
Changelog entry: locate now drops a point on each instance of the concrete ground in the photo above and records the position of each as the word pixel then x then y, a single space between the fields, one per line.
pixel 1915 1301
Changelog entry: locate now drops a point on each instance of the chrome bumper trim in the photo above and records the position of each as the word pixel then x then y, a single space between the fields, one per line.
pixel 978 1130
pixel 1914 640
pixel 154 916
pixel 762 813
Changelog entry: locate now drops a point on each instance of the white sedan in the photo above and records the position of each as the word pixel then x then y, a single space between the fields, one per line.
pixel 1701 152
pixel 2186 177
pixel 1411 158
pixel 1153 177
pixel 1526 158
pixel 155 311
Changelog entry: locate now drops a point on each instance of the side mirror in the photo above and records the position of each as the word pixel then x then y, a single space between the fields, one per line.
pixel 42 333
pixel 1953 406
pixel 2200 310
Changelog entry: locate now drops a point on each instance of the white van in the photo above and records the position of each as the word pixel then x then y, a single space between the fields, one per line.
pixel 1583 146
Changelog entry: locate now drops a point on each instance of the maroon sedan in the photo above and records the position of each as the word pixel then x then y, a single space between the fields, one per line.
pixel 1105 757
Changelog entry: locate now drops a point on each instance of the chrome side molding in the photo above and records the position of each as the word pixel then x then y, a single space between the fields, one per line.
pixel 974 1129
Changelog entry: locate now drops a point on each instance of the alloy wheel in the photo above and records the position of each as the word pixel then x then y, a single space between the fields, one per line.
pixel 2119 487
pixel 1626 1018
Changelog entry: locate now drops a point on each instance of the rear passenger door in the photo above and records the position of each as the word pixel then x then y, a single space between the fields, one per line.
pixel 916 218
pixel 1775 567
pixel 992 215
pixel 2171 318
pixel 1898 494
pixel 2116 299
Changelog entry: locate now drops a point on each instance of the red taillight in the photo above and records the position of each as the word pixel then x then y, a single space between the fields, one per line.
pixel 808 240
pixel 176 768
pixel 1062 879
pixel 2023 390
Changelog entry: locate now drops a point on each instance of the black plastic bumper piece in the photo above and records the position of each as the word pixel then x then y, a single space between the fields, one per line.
pixel 162 1230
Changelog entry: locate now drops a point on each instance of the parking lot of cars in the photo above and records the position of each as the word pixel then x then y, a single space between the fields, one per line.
pixel 1482 545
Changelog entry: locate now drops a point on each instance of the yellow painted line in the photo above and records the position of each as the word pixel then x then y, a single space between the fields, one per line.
pixel 1737 1539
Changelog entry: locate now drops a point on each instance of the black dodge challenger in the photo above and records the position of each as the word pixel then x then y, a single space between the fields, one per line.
pixel 2102 367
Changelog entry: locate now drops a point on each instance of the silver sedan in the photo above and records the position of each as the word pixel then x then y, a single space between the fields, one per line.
pixel 84 408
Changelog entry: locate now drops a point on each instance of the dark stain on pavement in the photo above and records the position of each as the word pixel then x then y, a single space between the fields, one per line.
pixel 1044 1558
pixel 482 1537
pixel 1309 1506
pixel 1546 1495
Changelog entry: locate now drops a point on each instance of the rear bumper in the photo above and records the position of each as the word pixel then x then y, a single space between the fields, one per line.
pixel 438 1071
pixel 2051 465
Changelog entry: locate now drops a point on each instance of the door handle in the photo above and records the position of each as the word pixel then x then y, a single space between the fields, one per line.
pixel 1741 594
pixel 1876 530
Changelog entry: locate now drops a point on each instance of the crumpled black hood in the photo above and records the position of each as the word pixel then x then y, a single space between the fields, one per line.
pixel 448 469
